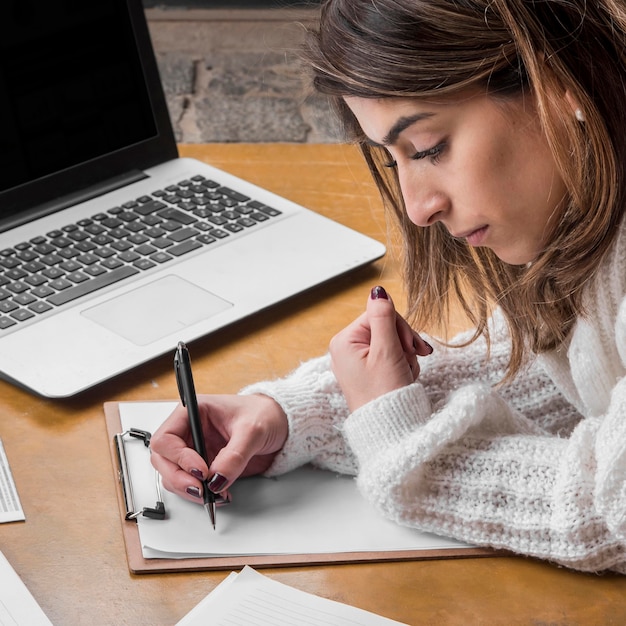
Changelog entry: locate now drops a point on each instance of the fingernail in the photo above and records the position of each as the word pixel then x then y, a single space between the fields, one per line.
pixel 196 473
pixel 194 491
pixel 379 292
pixel 222 499
pixel 416 345
pixel 217 483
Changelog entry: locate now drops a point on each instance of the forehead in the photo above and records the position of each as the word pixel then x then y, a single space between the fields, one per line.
pixel 384 119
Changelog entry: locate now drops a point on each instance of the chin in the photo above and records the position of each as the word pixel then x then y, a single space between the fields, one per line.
pixel 519 258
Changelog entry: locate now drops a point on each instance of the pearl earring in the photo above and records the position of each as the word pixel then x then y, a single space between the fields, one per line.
pixel 580 116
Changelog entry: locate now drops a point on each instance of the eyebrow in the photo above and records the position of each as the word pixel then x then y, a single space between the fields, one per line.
pixel 399 127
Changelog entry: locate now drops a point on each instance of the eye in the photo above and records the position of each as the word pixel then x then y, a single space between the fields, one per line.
pixel 434 153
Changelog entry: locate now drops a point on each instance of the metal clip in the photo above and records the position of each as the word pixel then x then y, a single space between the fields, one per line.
pixel 156 512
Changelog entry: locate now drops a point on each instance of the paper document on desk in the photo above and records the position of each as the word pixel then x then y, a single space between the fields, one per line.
pixel 255 600
pixel 10 506
pixel 17 605
pixel 307 511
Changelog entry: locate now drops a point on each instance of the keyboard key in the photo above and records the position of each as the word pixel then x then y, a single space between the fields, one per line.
pixel 6 322
pixel 35 280
pixel 39 307
pixel 183 234
pixel 6 306
pixel 128 256
pixel 235 195
pixel 145 250
pixel 77 277
pixel 42 292
pixel 94 270
pixel 111 263
pixel 51 259
pixel 176 215
pixel 17 287
pixel 92 285
pixel 162 242
pixel 15 274
pixel 160 257
pixel 53 272
pixel 185 247
pixel 24 298
pixel 233 228
pixel 150 207
pixel 60 284
pixel 268 210
pixel 144 264
pixel 21 315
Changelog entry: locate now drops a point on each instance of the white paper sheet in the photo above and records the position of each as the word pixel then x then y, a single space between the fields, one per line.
pixel 17 605
pixel 255 600
pixel 307 511
pixel 10 506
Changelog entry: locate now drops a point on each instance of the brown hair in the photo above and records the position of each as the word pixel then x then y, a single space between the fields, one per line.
pixel 434 48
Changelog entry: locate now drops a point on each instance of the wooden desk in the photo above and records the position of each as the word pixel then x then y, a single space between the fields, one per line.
pixel 70 551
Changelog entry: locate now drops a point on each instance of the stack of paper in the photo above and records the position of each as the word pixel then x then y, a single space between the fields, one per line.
pixel 17 605
pixel 10 507
pixel 254 600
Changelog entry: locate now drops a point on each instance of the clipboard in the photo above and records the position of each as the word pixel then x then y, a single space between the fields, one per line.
pixel 137 564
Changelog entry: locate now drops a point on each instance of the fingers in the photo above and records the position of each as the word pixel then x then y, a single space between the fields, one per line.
pixel 411 341
pixel 388 328
pixel 261 432
pixel 387 333
pixel 181 468
pixel 243 434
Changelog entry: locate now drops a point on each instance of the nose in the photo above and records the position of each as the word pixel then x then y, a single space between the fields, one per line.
pixel 425 204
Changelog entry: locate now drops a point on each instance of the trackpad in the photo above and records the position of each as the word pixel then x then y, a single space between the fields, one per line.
pixel 153 311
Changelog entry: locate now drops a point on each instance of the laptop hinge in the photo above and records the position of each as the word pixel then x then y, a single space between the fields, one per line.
pixel 72 199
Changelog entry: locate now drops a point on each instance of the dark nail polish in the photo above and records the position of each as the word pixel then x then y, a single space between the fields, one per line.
pixel 194 491
pixel 416 345
pixel 217 483
pixel 379 292
pixel 196 473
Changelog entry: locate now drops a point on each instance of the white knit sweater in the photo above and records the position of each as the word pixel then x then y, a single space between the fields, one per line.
pixel 537 467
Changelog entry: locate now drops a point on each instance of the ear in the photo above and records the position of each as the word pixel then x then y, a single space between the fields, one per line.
pixel 574 106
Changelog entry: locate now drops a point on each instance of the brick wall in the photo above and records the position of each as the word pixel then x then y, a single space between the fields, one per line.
pixel 228 4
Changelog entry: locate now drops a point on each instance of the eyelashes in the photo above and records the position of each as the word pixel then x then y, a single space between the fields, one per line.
pixel 434 154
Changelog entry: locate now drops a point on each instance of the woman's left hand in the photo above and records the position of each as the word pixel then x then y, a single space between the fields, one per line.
pixel 377 353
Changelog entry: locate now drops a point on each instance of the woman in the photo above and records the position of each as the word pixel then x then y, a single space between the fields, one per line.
pixel 495 131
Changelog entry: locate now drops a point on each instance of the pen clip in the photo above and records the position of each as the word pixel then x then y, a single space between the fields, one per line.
pixel 179 382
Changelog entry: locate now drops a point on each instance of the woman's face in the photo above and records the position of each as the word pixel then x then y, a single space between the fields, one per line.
pixel 478 165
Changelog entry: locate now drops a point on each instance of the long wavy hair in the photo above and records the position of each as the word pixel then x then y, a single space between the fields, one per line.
pixel 434 48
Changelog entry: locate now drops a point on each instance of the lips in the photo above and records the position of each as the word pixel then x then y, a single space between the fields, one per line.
pixel 473 237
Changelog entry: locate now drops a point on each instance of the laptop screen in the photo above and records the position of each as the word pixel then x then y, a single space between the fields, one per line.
pixel 75 95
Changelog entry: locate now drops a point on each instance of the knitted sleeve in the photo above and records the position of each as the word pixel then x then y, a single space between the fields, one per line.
pixel 480 471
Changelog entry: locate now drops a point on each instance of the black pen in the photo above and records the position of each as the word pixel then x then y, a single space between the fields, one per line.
pixel 187 391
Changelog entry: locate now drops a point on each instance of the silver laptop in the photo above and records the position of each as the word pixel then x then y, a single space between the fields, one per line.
pixel 112 248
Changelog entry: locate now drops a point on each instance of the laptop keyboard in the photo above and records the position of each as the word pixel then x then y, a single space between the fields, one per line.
pixel 49 271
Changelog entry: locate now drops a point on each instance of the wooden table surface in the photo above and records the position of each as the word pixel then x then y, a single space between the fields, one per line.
pixel 70 551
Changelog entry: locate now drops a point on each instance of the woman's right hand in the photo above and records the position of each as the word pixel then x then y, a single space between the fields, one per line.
pixel 242 436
